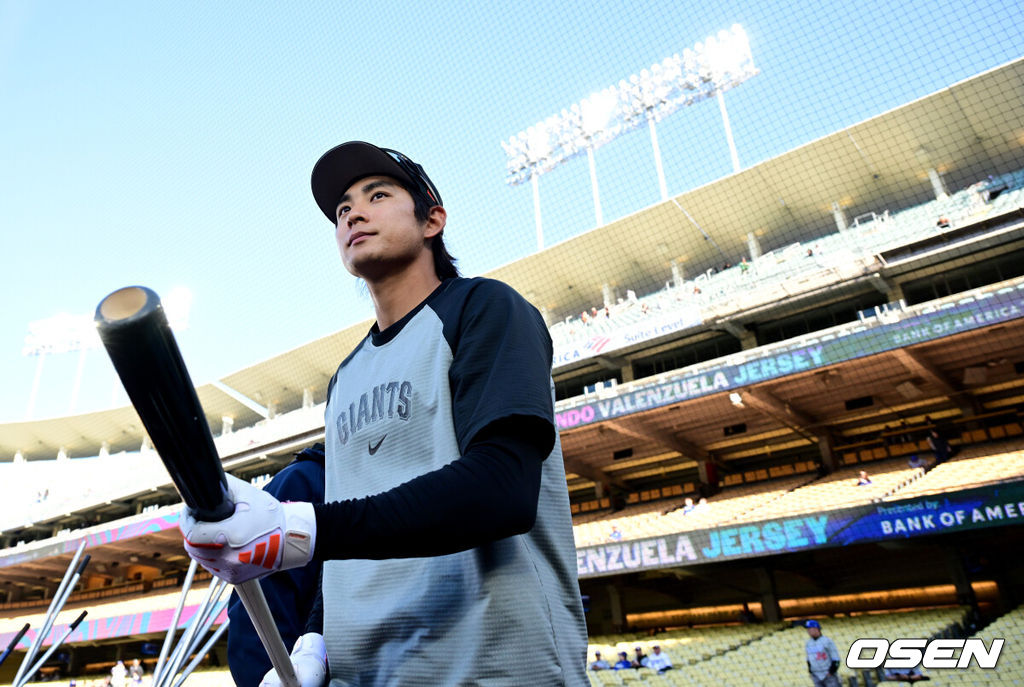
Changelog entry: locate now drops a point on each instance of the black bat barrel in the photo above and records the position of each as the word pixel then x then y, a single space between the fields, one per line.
pixel 133 328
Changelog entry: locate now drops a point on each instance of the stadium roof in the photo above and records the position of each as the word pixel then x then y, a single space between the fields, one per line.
pixel 966 131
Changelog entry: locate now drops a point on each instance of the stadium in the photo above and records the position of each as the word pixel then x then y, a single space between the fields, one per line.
pixel 725 372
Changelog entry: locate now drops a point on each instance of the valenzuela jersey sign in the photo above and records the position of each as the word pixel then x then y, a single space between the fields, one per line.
pixel 989 506
pixel 980 308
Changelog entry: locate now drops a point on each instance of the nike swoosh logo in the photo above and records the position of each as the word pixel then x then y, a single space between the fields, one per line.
pixel 372 448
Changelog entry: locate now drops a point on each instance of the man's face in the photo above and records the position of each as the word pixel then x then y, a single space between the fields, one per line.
pixel 376 228
pixel 814 632
pixel 656 650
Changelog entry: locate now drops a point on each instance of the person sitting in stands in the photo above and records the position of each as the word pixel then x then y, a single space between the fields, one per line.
pixel 599 663
pixel 623 661
pixel 905 675
pixel 640 659
pixel 863 479
pixel 659 661
pixel 917 461
pixel 688 505
pixel 943 222
pixel 939 446
pixel 616 534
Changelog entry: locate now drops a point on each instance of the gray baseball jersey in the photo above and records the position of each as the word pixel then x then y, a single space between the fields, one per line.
pixel 408 401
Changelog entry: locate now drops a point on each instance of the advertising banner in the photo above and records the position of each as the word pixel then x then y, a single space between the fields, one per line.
pixel 981 308
pixel 648 327
pixel 989 506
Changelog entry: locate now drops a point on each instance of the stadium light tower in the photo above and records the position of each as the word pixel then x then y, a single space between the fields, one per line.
pixel 719 64
pixel 595 126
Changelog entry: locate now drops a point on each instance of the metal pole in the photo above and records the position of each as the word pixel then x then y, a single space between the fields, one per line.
pixel 175 661
pixel 53 647
pixel 728 132
pixel 202 653
pixel 205 649
pixel 657 157
pixel 35 387
pixel 536 208
pixel 78 381
pixel 13 643
pixel 208 621
pixel 51 613
pixel 185 587
pixel 593 187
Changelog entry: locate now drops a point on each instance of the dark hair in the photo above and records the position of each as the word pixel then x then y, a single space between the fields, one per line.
pixel 444 263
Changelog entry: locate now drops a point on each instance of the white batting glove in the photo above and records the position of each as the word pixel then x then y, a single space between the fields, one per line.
pixel 309 657
pixel 262 536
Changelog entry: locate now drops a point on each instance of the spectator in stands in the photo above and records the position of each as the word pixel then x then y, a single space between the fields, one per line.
pixel 744 266
pixel 746 616
pixel 702 504
pixel 599 663
pixel 810 252
pixel 117 674
pixel 616 534
pixel 822 656
pixel 905 437
pixel 290 594
pixel 905 675
pixel 939 446
pixel 943 222
pixel 696 290
pixel 639 658
pixel 863 480
pixel 623 661
pixel 659 661
pixel 136 671
pixel 688 506
pixel 917 461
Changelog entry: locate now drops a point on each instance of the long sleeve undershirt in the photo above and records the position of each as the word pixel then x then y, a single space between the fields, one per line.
pixel 487 494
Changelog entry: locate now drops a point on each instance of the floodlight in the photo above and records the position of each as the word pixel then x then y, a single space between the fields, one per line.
pixel 718 64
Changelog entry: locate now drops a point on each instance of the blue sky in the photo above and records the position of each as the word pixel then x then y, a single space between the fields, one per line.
pixel 169 143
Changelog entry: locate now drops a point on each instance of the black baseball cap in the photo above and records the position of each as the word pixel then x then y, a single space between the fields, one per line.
pixel 345 164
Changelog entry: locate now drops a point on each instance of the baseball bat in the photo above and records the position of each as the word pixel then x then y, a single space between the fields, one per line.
pixel 14 643
pixel 134 330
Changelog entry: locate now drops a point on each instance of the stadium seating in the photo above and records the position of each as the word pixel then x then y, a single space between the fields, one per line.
pixel 839 490
pixel 974 466
pixel 770 654
pixel 1010 668
pixel 651 520
pixel 790 270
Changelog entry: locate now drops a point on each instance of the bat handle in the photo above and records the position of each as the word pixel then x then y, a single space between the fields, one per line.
pixel 251 594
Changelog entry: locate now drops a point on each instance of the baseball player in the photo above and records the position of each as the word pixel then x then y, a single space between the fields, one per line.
pixel 822 656
pixel 446 537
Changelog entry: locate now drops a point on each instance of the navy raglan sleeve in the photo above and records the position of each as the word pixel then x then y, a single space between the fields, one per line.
pixel 500 381
pixel 501 363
